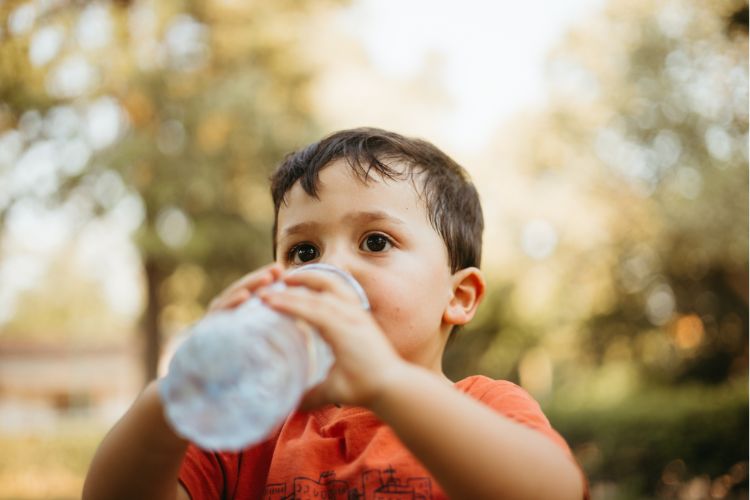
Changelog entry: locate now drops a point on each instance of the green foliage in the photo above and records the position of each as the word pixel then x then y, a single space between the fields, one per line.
pixel 655 133
pixel 635 442
pixel 642 335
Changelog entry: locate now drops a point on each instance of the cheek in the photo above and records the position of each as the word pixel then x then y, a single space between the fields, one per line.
pixel 390 303
pixel 387 302
pixel 401 308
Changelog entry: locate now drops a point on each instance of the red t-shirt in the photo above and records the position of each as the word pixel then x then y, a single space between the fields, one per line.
pixel 341 453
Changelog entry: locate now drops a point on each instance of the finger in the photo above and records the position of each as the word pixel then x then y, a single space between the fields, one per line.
pixel 229 301
pixel 260 277
pixel 240 290
pixel 321 282
pixel 311 307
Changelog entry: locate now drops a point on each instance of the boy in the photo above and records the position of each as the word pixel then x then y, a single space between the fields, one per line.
pixel 405 221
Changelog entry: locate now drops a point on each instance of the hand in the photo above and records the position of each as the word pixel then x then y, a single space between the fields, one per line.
pixel 365 361
pixel 242 289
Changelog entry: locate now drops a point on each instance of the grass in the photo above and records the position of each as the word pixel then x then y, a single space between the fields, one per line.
pixel 46 466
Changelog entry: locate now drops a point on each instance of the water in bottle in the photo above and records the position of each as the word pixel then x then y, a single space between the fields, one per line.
pixel 241 372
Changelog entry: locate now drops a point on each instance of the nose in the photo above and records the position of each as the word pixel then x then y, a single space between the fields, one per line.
pixel 343 257
pixel 339 256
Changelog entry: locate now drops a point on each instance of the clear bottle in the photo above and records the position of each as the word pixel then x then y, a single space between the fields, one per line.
pixel 241 372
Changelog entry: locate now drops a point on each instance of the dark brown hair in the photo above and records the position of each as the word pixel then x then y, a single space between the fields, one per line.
pixel 450 198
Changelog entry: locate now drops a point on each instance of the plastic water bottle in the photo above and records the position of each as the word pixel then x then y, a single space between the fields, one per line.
pixel 241 372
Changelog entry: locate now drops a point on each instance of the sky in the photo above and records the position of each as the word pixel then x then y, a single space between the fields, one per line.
pixel 492 52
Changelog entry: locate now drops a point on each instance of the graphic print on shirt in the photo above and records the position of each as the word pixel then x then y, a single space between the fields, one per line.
pixel 374 485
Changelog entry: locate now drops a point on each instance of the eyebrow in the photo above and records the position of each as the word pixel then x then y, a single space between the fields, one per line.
pixel 361 217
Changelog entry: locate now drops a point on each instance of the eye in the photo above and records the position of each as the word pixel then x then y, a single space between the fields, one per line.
pixel 376 242
pixel 301 253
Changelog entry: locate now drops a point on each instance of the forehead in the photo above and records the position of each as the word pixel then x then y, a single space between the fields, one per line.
pixel 340 189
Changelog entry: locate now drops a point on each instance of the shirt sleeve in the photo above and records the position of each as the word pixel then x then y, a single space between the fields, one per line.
pixel 515 403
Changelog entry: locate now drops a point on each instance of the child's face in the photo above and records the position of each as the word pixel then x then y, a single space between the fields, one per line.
pixel 380 233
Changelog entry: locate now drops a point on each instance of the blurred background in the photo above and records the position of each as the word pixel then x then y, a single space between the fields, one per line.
pixel 608 139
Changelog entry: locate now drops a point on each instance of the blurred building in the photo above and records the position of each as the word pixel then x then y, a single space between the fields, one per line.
pixel 43 385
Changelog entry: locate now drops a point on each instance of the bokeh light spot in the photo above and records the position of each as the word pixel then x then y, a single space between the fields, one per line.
pixel 173 227
pixel 538 239
pixel 688 331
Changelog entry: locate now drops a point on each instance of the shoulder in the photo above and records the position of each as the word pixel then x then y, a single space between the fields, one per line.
pixel 506 398
pixel 490 390
pixel 511 401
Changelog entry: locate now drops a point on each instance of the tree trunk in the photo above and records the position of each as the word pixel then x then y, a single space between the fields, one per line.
pixel 151 329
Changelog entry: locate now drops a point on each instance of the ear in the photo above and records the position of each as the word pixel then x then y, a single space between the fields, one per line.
pixel 468 292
